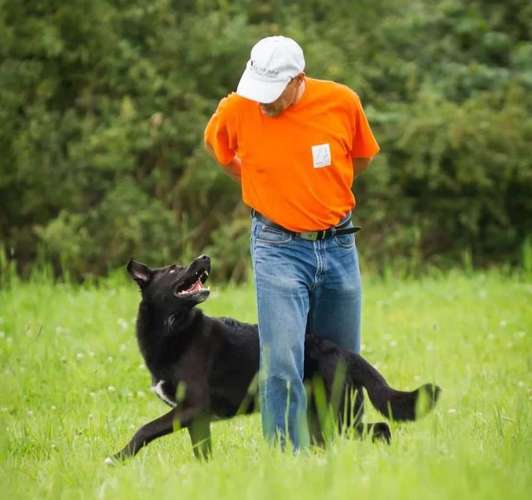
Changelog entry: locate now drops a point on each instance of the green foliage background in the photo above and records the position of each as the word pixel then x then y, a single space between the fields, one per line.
pixel 103 105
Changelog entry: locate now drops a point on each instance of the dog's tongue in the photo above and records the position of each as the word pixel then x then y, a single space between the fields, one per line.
pixel 196 287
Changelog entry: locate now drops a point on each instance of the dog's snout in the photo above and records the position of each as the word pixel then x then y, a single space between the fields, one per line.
pixel 203 262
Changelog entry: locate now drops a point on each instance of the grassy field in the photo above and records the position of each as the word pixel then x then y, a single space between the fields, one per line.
pixel 74 389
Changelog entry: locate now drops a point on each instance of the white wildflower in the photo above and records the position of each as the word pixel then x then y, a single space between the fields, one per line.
pixel 122 324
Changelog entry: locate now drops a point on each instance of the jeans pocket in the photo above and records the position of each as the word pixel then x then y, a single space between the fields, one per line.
pixel 345 240
pixel 270 234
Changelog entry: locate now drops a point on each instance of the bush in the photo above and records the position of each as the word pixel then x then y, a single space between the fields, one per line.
pixel 103 105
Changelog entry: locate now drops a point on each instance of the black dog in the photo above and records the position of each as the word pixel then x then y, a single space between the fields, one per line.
pixel 205 368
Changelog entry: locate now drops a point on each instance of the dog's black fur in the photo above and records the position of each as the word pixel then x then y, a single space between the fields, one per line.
pixel 205 368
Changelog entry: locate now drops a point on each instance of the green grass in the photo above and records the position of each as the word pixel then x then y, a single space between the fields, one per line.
pixel 74 389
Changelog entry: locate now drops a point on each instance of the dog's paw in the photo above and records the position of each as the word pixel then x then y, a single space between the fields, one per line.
pixel 381 432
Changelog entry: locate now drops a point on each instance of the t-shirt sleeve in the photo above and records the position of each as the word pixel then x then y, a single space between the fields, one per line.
pixel 220 136
pixel 364 144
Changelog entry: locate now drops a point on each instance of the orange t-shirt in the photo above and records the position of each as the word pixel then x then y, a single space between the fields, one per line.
pixel 297 167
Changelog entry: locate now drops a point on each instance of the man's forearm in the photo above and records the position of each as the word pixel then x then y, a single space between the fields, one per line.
pixel 360 164
pixel 232 169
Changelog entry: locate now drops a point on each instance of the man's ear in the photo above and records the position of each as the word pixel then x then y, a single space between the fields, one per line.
pixel 139 272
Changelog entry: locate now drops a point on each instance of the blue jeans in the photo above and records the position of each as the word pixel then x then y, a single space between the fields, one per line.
pixel 301 286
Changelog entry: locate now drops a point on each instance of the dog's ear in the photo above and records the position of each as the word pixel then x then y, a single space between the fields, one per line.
pixel 139 272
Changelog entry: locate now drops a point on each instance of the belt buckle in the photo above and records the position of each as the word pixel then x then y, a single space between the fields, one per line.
pixel 309 236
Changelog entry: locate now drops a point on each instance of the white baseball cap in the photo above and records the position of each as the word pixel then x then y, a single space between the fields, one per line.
pixel 274 61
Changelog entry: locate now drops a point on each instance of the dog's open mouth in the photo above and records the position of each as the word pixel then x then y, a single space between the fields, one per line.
pixel 193 285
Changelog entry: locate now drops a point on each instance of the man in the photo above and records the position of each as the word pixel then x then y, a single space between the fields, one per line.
pixel 295 144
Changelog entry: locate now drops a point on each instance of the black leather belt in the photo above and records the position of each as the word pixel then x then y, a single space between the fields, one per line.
pixel 313 235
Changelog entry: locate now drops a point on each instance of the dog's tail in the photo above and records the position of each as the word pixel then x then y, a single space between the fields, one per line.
pixel 393 404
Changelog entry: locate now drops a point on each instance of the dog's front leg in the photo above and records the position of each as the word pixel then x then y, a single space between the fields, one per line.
pixel 148 432
pixel 200 435
pixel 175 419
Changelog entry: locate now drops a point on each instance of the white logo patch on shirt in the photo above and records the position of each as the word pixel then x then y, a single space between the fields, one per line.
pixel 321 155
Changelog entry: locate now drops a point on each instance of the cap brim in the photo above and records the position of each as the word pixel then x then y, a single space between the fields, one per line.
pixel 259 90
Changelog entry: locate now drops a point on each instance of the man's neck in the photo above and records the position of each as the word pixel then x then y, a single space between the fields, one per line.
pixel 300 91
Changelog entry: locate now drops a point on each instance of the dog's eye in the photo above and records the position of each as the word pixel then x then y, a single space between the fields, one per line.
pixel 172 270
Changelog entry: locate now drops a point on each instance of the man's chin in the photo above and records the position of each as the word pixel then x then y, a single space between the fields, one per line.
pixel 271 112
